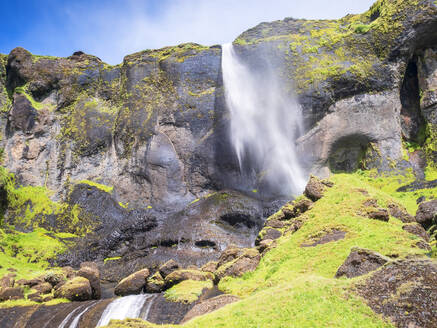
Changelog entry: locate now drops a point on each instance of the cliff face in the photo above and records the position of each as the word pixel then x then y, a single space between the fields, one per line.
pixel 155 126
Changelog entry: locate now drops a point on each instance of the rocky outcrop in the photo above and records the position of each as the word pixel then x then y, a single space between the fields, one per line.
pixel 404 291
pixel 359 262
pixel 427 213
pixel 235 263
pixel 90 271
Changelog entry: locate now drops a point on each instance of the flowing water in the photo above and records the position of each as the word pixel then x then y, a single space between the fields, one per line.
pixel 265 123
pixel 133 306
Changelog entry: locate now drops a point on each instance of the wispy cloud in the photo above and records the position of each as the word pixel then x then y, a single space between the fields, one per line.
pixel 112 29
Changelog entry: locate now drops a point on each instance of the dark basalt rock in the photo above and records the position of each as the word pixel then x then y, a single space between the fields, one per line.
pixel 426 214
pixel 314 189
pixel 404 291
pixel 417 229
pixel 168 267
pixel 326 237
pixel 359 262
pixel 23 116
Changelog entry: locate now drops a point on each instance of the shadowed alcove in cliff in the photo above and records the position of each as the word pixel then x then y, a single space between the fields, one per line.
pixel 412 122
pixel 347 153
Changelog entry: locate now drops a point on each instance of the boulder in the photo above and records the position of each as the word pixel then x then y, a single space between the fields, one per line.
pixel 379 214
pixel 314 189
pixel 183 274
pixel 76 289
pixel 43 288
pixel 359 262
pixel 274 223
pixel 168 267
pixel 247 261
pixel 90 271
pixel 268 233
pixel 211 266
pixel 155 283
pixel 405 291
pixel 7 280
pixel 133 284
pixel 265 244
pixel 301 206
pixel 54 278
pixel 400 213
pixel 209 305
pixel 229 254
pixel 29 282
pixel 417 229
pixel 426 214
pixel 11 293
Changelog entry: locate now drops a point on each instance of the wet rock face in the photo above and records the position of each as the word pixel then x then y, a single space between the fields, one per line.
pixel 150 237
pixel 359 262
pixel 404 291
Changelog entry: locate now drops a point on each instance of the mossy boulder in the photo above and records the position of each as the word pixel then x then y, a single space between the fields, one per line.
pixel 183 274
pixel 246 262
pixel 314 189
pixel 76 289
pixel 168 267
pixel 155 283
pixel 90 271
pixel 426 214
pixel 133 284
pixel 11 293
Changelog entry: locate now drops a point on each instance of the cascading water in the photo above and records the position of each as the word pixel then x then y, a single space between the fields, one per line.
pixel 265 123
pixel 133 306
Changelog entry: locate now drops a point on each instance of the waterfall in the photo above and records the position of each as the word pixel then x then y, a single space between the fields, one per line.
pixel 133 306
pixel 81 310
pixel 264 124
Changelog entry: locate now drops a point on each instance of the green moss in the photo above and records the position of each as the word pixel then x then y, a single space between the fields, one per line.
pixel 25 302
pixel 187 291
pixel 100 186
pixel 35 104
pixel 30 206
pixel 29 253
pixel 112 259
pixel 362 28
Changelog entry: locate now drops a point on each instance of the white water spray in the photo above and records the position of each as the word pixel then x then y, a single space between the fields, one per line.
pixel 264 125
pixel 127 307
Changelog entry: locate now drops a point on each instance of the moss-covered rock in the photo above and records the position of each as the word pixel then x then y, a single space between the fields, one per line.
pixel 184 274
pixel 133 284
pixel 76 289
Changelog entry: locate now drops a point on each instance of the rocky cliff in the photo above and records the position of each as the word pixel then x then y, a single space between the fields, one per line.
pixel 135 159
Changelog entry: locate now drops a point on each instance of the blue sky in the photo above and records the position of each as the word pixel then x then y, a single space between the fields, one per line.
pixel 111 29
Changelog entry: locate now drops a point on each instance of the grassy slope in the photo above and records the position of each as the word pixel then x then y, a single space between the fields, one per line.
pixel 294 286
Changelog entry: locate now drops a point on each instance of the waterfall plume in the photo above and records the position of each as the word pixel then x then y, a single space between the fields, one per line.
pixel 264 124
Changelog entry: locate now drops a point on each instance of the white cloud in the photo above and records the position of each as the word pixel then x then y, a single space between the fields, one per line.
pixel 114 31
